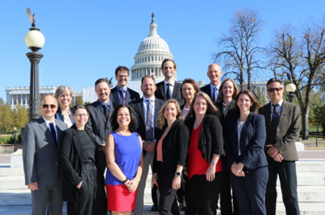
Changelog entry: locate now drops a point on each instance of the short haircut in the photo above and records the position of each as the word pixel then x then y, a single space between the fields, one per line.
pixel 62 89
pixel 236 90
pixel 148 76
pixel 164 61
pixel 211 109
pixel 108 82
pixel 79 106
pixel 272 80
pixel 162 122
pixel 133 116
pixel 253 108
pixel 194 84
pixel 121 68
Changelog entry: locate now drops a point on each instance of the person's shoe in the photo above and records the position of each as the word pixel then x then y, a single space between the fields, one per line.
pixel 182 206
pixel 154 207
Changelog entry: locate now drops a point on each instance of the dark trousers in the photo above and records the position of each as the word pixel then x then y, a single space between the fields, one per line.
pixel 228 206
pixel 181 193
pixel 201 195
pixel 167 200
pixel 250 191
pixel 288 181
pixel 84 204
pixel 48 197
pixel 100 203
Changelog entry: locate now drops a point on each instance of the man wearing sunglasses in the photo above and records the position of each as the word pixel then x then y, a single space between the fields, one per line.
pixel 282 121
pixel 40 144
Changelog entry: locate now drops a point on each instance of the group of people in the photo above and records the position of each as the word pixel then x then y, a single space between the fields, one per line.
pixel 200 143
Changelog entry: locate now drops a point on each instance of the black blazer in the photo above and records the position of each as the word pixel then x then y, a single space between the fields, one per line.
pixel 207 90
pixel 98 123
pixel 252 140
pixel 177 92
pixel 230 114
pixel 131 95
pixel 71 162
pixel 174 148
pixel 211 138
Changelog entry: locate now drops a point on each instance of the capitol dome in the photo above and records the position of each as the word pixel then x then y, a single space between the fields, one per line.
pixel 151 52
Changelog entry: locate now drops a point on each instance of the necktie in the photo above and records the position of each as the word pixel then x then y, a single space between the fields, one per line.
pixel 168 93
pixel 53 133
pixel 122 97
pixel 149 121
pixel 214 94
pixel 275 121
pixel 105 110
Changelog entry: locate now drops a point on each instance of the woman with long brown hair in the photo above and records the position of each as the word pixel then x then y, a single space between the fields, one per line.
pixel 245 137
pixel 204 166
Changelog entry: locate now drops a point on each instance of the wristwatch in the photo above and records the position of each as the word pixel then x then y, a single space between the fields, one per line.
pixel 213 163
pixel 178 173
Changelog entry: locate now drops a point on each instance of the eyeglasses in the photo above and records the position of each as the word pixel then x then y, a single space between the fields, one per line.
pixel 271 90
pixel 122 76
pixel 47 106
pixel 81 115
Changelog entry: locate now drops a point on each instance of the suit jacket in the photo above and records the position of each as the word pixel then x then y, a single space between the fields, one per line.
pixel 207 90
pixel 71 162
pixel 131 95
pixel 40 152
pixel 138 107
pixel 174 148
pixel 287 131
pixel 252 140
pixel 230 114
pixel 177 92
pixel 100 128
pixel 60 116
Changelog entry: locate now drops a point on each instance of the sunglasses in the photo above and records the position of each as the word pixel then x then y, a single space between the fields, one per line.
pixel 47 106
pixel 271 90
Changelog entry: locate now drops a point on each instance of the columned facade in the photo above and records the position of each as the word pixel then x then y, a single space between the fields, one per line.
pixel 20 95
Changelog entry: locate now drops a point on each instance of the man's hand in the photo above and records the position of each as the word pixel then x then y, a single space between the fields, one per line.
pixel 149 146
pixel 33 186
pixel 79 185
pixel 272 150
pixel 278 157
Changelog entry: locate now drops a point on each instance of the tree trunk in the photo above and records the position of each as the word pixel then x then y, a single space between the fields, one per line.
pixel 305 131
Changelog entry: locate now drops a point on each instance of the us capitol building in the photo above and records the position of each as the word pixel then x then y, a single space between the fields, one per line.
pixel 147 61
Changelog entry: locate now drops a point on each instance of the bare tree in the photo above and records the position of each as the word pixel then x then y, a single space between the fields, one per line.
pixel 239 51
pixel 299 59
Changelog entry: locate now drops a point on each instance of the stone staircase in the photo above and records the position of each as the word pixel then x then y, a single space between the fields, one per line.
pixel 15 198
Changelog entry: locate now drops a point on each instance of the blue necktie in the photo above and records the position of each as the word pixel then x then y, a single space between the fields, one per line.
pixel 53 133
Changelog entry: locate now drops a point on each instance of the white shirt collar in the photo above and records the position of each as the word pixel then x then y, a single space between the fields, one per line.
pixel 280 103
pixel 172 83
pixel 48 122
pixel 152 98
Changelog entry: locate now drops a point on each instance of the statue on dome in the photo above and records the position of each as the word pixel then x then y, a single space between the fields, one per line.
pixel 153 17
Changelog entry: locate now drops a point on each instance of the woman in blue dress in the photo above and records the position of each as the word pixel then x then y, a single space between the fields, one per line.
pixel 124 161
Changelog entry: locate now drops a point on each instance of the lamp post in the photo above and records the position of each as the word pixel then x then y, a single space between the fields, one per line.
pixel 291 89
pixel 34 40
pixel 15 134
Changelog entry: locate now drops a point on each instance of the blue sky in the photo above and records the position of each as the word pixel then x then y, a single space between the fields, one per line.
pixel 86 40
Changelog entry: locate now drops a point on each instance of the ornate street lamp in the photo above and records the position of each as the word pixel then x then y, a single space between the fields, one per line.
pixel 291 89
pixel 34 40
pixel 15 134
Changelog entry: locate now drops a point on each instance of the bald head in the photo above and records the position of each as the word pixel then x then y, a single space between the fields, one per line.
pixel 48 107
pixel 214 73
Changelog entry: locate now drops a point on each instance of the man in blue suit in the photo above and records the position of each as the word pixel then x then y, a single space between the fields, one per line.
pixel 122 94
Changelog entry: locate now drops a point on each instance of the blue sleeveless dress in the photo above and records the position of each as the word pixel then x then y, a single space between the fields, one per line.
pixel 127 155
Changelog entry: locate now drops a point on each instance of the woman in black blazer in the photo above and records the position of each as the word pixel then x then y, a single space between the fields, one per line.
pixel 77 162
pixel 204 167
pixel 226 105
pixel 170 156
pixel 245 137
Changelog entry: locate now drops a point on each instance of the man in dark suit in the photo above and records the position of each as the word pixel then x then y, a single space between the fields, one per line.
pixel 282 121
pixel 100 126
pixel 42 174
pixel 122 94
pixel 147 108
pixel 169 88
pixel 214 73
